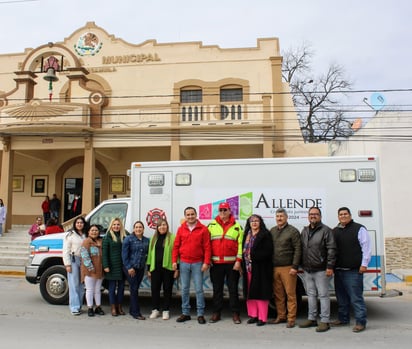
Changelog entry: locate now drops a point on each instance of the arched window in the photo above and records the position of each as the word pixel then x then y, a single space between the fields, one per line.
pixel 190 98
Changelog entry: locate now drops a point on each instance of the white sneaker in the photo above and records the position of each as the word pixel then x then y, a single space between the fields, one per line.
pixel 155 314
pixel 166 315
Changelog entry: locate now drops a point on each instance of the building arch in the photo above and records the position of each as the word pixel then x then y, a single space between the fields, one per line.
pixel 80 160
pixel 34 58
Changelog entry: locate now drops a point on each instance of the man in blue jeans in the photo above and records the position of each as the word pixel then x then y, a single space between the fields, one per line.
pixel 192 250
pixel 318 261
pixel 353 256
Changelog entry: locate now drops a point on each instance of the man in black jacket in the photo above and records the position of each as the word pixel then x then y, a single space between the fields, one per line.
pixel 55 207
pixel 318 261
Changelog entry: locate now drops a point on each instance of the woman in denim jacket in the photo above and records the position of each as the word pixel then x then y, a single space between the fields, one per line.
pixel 134 255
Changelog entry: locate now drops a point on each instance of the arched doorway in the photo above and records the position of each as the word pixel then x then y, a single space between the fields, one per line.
pixel 69 181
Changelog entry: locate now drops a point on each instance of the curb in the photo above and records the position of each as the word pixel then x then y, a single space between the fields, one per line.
pixel 12 273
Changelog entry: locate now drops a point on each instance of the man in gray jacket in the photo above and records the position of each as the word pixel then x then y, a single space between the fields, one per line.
pixel 318 261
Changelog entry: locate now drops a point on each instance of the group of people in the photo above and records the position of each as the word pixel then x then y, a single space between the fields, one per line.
pixel 51 208
pixel 38 228
pixel 118 257
pixel 49 223
pixel 322 252
pixel 268 260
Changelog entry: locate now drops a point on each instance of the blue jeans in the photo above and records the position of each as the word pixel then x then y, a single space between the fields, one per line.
pixel 349 291
pixel 134 284
pixel 317 285
pixel 116 297
pixel 76 288
pixel 55 214
pixel 186 271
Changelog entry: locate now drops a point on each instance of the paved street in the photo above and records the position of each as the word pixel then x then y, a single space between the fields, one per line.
pixel 28 321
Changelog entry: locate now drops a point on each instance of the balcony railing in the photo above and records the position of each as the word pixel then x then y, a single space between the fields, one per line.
pixel 221 113
pixel 189 114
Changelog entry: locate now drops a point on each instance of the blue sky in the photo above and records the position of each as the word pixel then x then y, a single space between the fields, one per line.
pixel 371 39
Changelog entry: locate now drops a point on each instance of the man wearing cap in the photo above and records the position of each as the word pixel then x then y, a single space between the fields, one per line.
pixel 226 241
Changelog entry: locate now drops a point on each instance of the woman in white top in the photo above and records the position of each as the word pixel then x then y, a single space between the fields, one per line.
pixel 71 258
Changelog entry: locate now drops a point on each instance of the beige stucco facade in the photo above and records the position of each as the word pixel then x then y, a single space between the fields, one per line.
pixel 117 102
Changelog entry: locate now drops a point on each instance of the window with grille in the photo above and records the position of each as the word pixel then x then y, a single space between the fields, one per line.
pixel 191 96
pixel 231 95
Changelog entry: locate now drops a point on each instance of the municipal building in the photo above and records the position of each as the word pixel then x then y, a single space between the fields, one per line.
pixel 74 114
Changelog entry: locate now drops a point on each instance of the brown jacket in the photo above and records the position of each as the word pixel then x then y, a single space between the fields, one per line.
pixel 91 257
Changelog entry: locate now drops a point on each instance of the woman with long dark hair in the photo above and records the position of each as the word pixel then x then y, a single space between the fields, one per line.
pixel 72 243
pixel 160 269
pixel 92 270
pixel 257 260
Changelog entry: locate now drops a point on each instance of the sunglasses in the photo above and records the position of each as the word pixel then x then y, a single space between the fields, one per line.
pixel 222 209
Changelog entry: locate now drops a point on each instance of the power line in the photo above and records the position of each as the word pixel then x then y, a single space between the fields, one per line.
pixel 167 95
pixel 143 119
pixel 246 117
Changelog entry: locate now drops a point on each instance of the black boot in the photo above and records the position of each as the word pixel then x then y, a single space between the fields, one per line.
pixel 99 310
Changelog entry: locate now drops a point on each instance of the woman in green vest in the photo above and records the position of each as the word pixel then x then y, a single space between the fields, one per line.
pixel 160 271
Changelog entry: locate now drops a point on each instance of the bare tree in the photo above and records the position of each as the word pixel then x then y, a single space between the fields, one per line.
pixel 316 99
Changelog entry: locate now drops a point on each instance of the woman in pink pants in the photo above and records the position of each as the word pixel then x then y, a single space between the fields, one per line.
pixel 257 264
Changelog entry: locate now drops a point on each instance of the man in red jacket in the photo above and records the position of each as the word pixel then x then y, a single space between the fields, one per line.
pixel 192 250
pixel 226 236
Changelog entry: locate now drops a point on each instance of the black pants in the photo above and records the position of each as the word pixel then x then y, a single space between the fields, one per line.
pixel 219 273
pixel 161 277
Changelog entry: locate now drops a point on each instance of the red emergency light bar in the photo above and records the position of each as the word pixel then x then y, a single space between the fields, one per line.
pixel 365 213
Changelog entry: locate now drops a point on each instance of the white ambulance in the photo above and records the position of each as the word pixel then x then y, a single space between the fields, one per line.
pixel 164 189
